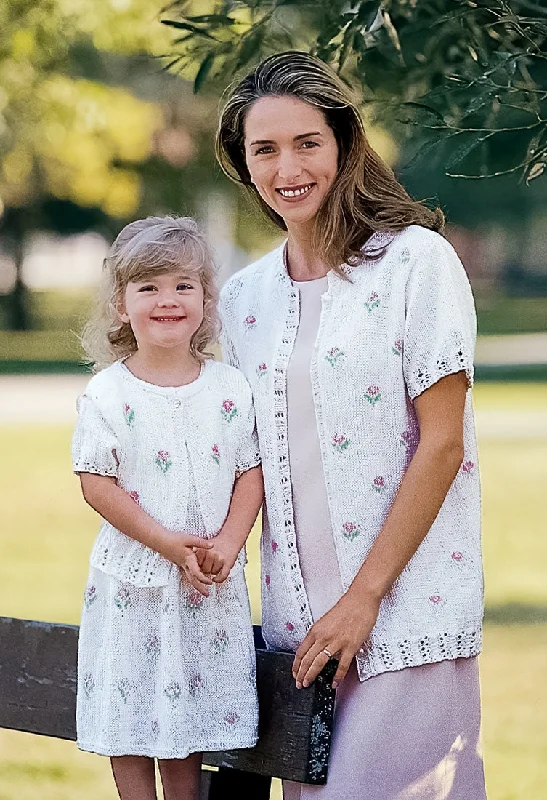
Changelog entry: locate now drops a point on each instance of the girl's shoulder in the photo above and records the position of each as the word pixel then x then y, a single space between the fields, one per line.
pixel 103 383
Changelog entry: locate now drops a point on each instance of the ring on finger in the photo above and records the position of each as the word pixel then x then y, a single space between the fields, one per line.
pixel 327 652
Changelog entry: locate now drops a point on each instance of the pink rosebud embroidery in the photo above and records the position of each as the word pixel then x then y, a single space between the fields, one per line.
pixel 232 718
pixel 468 467
pixel 261 369
pixel 195 684
pixel 215 452
pixel 379 484
pixel 339 442
pixel 129 414
pixel 436 599
pixel 173 691
pixel 267 581
pixel 122 598
pixel 373 394
pixel 372 302
pixel 397 348
pixel 220 642
pixel 274 546
pixel 250 321
pixel 163 460
pixel 333 355
pixel 90 595
pixel 229 410
pixel 457 556
pixel 290 627
pixel 194 600
pixel 350 530
pixel 134 496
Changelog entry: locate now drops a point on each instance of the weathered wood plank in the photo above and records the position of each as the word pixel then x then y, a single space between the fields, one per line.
pixel 38 695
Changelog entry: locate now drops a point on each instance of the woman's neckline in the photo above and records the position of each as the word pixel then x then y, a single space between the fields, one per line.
pixel 324 279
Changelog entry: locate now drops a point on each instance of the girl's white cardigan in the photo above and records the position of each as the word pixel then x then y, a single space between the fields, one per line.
pixel 398 325
pixel 175 450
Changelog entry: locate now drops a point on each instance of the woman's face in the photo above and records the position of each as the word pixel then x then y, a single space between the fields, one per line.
pixel 291 155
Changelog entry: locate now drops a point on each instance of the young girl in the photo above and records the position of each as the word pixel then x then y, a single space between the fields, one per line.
pixel 167 454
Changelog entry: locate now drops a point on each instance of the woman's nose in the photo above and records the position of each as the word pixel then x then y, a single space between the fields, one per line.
pixel 289 166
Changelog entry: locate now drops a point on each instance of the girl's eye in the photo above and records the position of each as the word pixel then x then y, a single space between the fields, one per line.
pixel 147 288
pixel 184 286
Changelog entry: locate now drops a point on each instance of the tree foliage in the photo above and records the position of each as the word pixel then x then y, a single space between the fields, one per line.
pixel 63 134
pixel 468 78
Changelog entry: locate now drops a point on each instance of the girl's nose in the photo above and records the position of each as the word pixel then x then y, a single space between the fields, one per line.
pixel 167 299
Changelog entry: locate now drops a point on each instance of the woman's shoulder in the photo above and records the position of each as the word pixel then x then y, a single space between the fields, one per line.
pixel 246 279
pixel 224 376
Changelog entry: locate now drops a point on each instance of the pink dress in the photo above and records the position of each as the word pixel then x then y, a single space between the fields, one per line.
pixel 406 735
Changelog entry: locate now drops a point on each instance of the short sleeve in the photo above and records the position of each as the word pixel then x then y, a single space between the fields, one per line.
pixel 248 454
pixel 94 444
pixel 440 319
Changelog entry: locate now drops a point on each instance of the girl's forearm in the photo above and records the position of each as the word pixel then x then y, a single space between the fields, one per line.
pixel 417 503
pixel 245 504
pixel 118 508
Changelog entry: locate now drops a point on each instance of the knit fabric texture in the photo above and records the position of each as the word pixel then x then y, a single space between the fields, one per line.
pixel 157 441
pixel 391 328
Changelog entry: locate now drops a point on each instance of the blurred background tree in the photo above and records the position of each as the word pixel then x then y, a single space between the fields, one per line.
pixel 92 130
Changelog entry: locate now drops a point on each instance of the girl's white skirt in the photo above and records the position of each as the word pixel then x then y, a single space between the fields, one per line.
pixel 164 672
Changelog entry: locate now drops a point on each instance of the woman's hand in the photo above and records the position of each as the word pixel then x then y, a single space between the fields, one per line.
pixel 340 633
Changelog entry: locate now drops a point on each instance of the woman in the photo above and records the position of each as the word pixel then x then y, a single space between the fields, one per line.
pixel 357 335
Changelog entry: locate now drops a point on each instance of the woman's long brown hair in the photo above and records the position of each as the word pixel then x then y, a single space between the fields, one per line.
pixel 365 195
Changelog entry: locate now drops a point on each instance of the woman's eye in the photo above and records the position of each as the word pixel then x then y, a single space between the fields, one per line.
pixel 308 144
pixel 264 150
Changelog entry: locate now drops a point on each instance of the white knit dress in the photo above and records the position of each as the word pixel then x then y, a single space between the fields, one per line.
pixel 162 670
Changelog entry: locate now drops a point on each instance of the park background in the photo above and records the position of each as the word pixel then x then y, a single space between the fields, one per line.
pixel 95 132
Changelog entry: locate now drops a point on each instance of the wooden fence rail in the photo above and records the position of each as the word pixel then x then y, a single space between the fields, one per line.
pixel 38 695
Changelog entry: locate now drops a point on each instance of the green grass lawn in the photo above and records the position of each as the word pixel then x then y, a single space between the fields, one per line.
pixel 47 533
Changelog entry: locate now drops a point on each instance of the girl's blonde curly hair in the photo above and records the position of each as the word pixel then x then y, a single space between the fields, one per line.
pixel 147 247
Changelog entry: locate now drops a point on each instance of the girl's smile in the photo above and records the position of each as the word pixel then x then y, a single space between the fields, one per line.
pixel 292 156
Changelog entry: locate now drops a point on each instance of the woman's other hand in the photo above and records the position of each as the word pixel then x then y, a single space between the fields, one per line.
pixel 339 634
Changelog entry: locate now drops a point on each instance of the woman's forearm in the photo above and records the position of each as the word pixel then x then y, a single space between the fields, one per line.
pixel 417 503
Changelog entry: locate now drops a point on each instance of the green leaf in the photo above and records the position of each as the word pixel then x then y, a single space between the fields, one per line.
pixel 203 71
pixel 186 26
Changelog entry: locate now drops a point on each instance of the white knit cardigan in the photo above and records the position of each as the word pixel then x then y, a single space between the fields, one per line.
pixel 398 325
pixel 175 450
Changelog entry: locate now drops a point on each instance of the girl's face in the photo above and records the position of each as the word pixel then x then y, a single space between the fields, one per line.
pixel 163 311
pixel 292 156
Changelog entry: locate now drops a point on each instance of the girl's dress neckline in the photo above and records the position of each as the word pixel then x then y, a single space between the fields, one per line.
pixel 185 390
